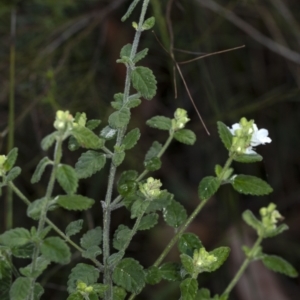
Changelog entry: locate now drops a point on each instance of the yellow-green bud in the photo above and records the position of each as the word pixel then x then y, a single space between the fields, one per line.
pixel 151 189
pixel 63 120
pixel 81 286
pixel 89 289
pixel 180 119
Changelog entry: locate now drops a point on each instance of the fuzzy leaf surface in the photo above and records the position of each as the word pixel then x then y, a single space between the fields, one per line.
pixel 13 174
pixel 189 242
pixel 119 293
pixel 188 288
pixel 89 163
pixel 148 221
pixel 20 289
pixel 131 138
pixel 221 254
pixel 49 140
pixel 174 214
pixel 208 187
pixel 55 249
pixel 160 122
pixel 75 202
pixel 92 238
pixel 153 275
pixel 5 279
pixel 92 252
pixel 251 185
pixel 280 265
pixel 225 135
pixel 248 158
pixel 118 158
pixel 120 118
pixel 129 274
pixel 67 178
pixel 87 138
pixel 187 263
pixel 74 227
pixel 11 159
pixel 44 162
pixel 41 265
pixel 170 271
pixel 251 220
pixel 121 236
pixel 185 136
pixel 34 208
pixel 140 55
pixel 15 237
pixel 153 151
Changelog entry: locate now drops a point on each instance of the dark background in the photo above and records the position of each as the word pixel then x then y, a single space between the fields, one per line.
pixel 66 53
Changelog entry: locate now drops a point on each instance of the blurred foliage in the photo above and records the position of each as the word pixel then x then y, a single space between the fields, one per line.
pixel 66 53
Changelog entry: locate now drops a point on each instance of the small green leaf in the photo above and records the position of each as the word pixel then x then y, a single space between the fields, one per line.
pixel 275 231
pixel 163 200
pixel 280 265
pixel 203 294
pixel 115 258
pixel 127 184
pixel 75 296
pixel 92 238
pixel 13 174
pixel 49 140
pixel 5 279
pixel 44 162
pixel 218 170
pixel 89 163
pixel 87 138
pixel 148 221
pixel 55 249
pixel 15 237
pixel 82 272
pixel 20 289
pixel 24 251
pixel 248 158
pixel 73 144
pixel 121 236
pixel 152 164
pixel 252 221
pixel 139 207
pixel 174 214
pixel 108 133
pixel 126 50
pixel 119 293
pixel 208 187
pixel 153 151
pixel 246 184
pixel 140 55
pixel 221 254
pixel 129 274
pixel 93 124
pixel 74 227
pixel 75 202
pixel 148 24
pixel 10 159
pixel 187 263
pixel 153 275
pixel 225 135
pixel 92 252
pixel 131 138
pixel 34 209
pixel 185 136
pixel 67 178
pixel 132 103
pixel 119 118
pixel 99 289
pixel 160 122
pixel 189 242
pixel 144 82
pixel 170 271
pixel 118 158
pixel 41 265
pixel 188 288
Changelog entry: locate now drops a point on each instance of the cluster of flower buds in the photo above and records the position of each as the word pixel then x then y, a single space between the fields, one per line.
pixel 151 188
pixel 83 288
pixel 180 119
pixel 246 135
pixel 270 217
pixel 63 121
pixel 202 260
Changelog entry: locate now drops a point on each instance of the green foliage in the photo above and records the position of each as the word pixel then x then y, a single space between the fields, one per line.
pixel 225 135
pixel 140 55
pixel 75 202
pixel 67 178
pixel 20 289
pixel 5 279
pixel 127 183
pixel 148 221
pixel 49 140
pixel 185 136
pixel 160 122
pixel 174 214
pixel 221 254
pixel 187 263
pixel 11 159
pixel 129 274
pixel 188 242
pixel 125 51
pixel 87 138
pixel 119 293
pixel 44 162
pixel 251 220
pixel 24 251
pixel 188 288
pixel 144 82
pixel 251 185
pixel 152 164
pixel 248 158
pixel 170 271
pixel 118 158
pixel 13 174
pixel 74 227
pixel 153 151
pixel 153 275
pixel 164 199
pixel 55 249
pixel 148 24
pixel 41 264
pixel 121 236
pixel 92 252
pixel 108 133
pixel 120 118
pixel 15 237
pixel 92 238
pixel 89 163
pixel 280 265
pixel 130 10
pixel 131 138
pixel 35 208
pixel 208 187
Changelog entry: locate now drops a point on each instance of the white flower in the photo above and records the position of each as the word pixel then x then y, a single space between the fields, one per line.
pixel 260 136
pixel 234 128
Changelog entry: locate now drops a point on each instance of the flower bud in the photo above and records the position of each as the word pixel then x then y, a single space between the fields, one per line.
pixel 180 119
pixel 151 189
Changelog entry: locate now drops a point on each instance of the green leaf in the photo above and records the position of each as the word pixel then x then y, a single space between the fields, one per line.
pixel 118 158
pixel 153 151
pixel 148 221
pixel 108 133
pixel 203 294
pixel 132 103
pixel 67 178
pixel 75 296
pixel 44 162
pixel 73 144
pixel 15 237
pixel 160 122
pixel 163 200
pixel 10 159
pixel 119 293
pixel 140 55
pixel 280 265
pixel 208 187
pixel 139 207
pixel 34 209
pixel 75 202
pixel 189 242
pixel 24 251
pixel 74 227
pixel 218 170
pixel 93 124
pixel 251 220
pixel 115 258
pixel 248 158
pixel 153 275
pixel 221 254
pixel 120 118
pixel 174 214
pixel 55 249
pixel 121 236
pixel 131 138
pixel 246 184
pixel 144 82
pixel 126 50
pixel 20 289
pixel 187 263
pixel 92 238
pixel 5 279
pixel 152 164
pixel 275 231
pixel 129 274
pixel 41 265
pixel 89 163
pixel 49 140
pixel 148 24
pixel 13 174
pixel 170 271
pixel 185 136
pixel 82 272
pixel 99 289
pixel 92 252
pixel 87 138
pixel 189 289
pixel 225 135
pixel 127 184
